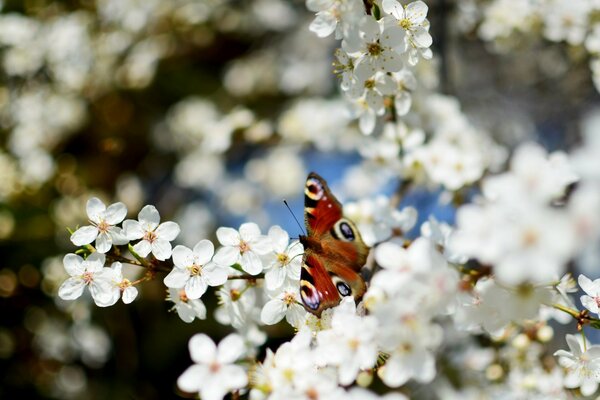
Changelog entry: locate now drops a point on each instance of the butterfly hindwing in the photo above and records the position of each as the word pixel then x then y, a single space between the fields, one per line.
pixel 334 250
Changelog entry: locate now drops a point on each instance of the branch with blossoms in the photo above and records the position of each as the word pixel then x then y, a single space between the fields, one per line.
pixel 430 296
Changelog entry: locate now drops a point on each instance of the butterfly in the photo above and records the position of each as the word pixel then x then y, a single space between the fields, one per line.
pixel 334 251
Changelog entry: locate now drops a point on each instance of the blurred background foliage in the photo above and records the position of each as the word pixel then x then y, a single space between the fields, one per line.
pixel 212 110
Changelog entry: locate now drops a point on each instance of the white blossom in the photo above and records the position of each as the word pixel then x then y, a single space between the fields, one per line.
pixel 214 373
pixel 194 271
pixel 284 302
pixel 244 247
pixel 591 298
pixel 92 274
pixel 187 309
pixel 285 259
pixel 582 365
pixel 103 228
pixel 156 237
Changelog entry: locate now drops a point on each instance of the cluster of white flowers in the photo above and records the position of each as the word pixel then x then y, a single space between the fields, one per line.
pixel 501 273
pixel 507 22
pixel 377 54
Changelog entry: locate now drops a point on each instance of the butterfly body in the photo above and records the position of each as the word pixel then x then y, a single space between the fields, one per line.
pixel 334 251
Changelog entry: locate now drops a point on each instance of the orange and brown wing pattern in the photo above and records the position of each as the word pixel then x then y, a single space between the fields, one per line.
pixel 334 250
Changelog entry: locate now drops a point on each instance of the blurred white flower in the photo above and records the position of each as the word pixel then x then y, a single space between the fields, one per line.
pixel 186 308
pixel 103 228
pixel 331 14
pixel 244 247
pixel 194 271
pixel 350 343
pixel 92 274
pixel 409 349
pixel 439 233
pixel 214 373
pixel 377 220
pixel 566 21
pixel 155 237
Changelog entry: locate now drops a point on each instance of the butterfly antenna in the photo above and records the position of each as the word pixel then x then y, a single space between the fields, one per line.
pixel 293 215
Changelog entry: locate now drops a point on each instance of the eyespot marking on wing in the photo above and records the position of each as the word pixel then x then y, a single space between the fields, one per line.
pixel 344 230
pixel 309 295
pixel 314 190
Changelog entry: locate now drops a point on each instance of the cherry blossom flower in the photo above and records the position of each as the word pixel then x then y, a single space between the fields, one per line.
pixel 412 19
pixel 350 343
pixel 88 273
pixel 376 48
pixel 284 303
pixel 103 229
pixel 214 373
pixel 244 248
pixel 333 13
pixel 194 271
pixel 155 237
pixel 590 300
pixel 582 365
pixel 286 259
pixel 121 285
pixel 186 308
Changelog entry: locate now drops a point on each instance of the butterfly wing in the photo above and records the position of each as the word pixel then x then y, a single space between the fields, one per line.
pixel 334 250
pixel 331 235
pixel 316 286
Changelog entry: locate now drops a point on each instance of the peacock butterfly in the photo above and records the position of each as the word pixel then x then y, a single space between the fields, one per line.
pixel 334 251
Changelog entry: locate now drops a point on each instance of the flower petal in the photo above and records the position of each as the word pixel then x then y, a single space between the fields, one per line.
pixel 279 238
pixel 95 209
pixel 587 285
pixel 115 213
pixel 202 349
pixel 230 349
pixel 261 245
pixel 161 249
pixel 416 12
pixel 394 8
pixel 227 256
pixel 203 251
pixel 249 231
pixel 195 287
pixel 168 230
pixel 422 37
pixel 129 294
pixel 177 278
pixel 183 257
pixel 84 235
pixel 273 312
pixel 71 289
pixel 193 378
pixel 118 235
pixel 235 376
pixel 251 263
pixel 324 24
pixel 228 236
pixel 143 248
pixel 103 243
pixel 274 277
pixel 73 264
pixel 214 274
pixel 133 229
pixel 149 218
